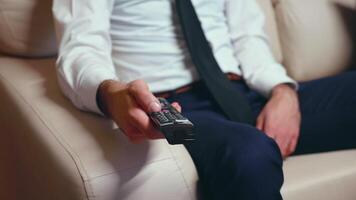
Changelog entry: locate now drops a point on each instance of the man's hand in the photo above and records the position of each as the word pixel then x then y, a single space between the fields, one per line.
pixel 128 105
pixel 281 118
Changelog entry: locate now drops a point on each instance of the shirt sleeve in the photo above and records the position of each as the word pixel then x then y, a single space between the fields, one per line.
pixel 84 58
pixel 259 68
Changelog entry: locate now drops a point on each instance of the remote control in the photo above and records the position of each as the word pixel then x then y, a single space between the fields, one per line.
pixel 175 127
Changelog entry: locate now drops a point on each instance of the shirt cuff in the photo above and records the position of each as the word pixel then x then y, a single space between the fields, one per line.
pixel 89 85
pixel 266 80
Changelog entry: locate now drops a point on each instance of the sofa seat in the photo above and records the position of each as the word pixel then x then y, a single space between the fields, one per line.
pixel 60 152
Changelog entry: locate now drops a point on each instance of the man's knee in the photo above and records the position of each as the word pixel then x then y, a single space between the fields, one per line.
pixel 252 151
pixel 233 147
pixel 249 161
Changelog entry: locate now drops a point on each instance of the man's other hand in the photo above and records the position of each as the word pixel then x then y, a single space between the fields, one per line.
pixel 128 105
pixel 280 119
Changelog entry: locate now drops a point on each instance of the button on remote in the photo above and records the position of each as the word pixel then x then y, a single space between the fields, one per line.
pixel 176 128
pixel 179 116
pixel 164 102
pixel 169 115
pixel 160 116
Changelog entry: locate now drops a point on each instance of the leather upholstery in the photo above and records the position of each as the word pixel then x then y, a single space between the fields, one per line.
pixel 321 176
pixel 50 150
pixel 271 28
pixel 317 36
pixel 63 153
pixel 27 28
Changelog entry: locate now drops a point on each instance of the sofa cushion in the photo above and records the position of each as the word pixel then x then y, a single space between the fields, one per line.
pixel 316 36
pixel 321 176
pixel 63 153
pixel 27 28
pixel 271 28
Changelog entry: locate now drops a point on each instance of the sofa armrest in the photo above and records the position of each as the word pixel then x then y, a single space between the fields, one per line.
pixel 64 153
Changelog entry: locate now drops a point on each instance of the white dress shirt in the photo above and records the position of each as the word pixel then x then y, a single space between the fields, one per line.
pixel 142 39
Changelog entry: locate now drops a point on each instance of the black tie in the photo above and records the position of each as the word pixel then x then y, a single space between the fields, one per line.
pixel 231 101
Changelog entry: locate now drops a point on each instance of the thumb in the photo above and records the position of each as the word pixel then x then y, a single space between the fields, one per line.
pixel 139 90
pixel 260 123
pixel 177 106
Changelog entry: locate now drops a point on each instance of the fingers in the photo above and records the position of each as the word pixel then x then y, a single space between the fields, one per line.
pixel 139 134
pixel 287 143
pixel 260 122
pixel 293 145
pixel 128 105
pixel 142 122
pixel 131 108
pixel 134 135
pixel 140 91
pixel 283 146
pixel 282 143
pixel 149 103
pixel 143 125
pixel 283 137
pixel 177 106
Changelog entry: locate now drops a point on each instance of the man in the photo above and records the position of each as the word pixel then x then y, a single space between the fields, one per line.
pixel 116 55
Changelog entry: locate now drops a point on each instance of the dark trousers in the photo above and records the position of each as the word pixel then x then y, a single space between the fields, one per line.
pixel 237 161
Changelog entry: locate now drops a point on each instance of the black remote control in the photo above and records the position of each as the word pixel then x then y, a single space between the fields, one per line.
pixel 175 127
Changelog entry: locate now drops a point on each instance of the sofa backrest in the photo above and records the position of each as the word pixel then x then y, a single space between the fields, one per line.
pixel 313 38
pixel 271 28
pixel 317 36
pixel 26 28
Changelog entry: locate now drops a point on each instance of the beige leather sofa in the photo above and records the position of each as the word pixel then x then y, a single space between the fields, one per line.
pixel 50 150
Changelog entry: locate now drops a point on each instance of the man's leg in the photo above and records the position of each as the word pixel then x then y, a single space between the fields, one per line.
pixel 328 109
pixel 234 161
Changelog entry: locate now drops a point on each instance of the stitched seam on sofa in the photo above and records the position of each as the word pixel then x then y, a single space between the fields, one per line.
pixel 60 141
pixel 128 168
pixel 12 33
pixel 181 172
pixel 77 161
pixel 5 21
